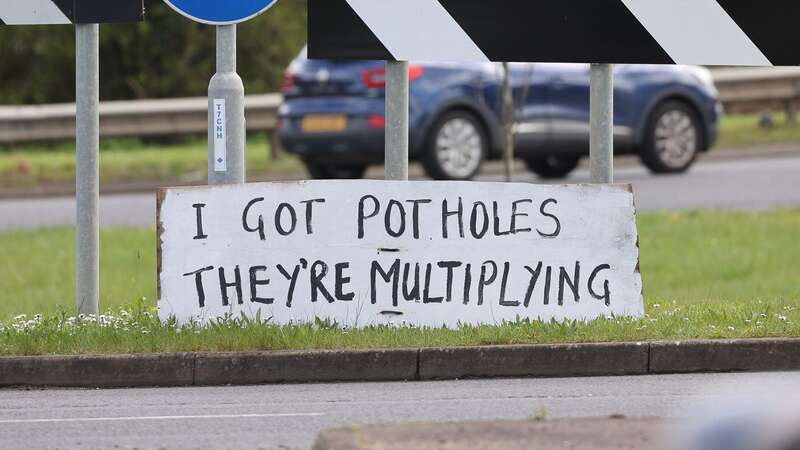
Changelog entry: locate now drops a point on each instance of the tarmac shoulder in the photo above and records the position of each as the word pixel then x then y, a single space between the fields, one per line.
pixel 551 434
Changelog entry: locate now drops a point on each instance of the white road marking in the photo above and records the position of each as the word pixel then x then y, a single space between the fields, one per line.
pixel 31 12
pixel 417 29
pixel 139 418
pixel 697 32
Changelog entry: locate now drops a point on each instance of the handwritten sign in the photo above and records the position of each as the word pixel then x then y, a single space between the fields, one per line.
pixel 372 252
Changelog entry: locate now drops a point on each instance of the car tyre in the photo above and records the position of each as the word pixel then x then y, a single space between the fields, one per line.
pixel 553 167
pixel 335 171
pixel 673 139
pixel 456 147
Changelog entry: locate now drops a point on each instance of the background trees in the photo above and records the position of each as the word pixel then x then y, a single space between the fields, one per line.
pixel 165 56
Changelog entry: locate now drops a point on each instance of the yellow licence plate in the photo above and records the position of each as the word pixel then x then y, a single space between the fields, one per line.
pixel 324 123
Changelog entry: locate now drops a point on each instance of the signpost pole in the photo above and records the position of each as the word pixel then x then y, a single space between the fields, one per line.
pixel 226 122
pixel 87 186
pixel 601 147
pixel 396 165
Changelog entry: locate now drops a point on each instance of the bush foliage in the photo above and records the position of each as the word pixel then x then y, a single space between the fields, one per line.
pixel 165 56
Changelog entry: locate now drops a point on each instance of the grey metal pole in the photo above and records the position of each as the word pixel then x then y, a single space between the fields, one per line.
pixel 226 122
pixel 87 176
pixel 601 147
pixel 508 123
pixel 396 165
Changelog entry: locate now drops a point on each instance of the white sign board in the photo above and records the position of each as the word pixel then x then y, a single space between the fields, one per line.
pixel 374 252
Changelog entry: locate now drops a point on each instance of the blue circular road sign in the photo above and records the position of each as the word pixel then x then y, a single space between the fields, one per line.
pixel 220 12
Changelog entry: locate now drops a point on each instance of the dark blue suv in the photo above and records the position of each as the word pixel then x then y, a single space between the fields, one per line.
pixel 333 116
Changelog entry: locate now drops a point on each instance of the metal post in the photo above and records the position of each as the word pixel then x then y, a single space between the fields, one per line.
pixel 601 147
pixel 87 185
pixel 508 123
pixel 226 122
pixel 396 165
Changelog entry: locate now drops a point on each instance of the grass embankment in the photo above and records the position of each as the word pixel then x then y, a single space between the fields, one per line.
pixel 706 275
pixel 131 160
pixel 743 130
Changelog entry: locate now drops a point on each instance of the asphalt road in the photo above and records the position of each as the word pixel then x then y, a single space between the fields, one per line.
pixel 745 184
pixel 290 416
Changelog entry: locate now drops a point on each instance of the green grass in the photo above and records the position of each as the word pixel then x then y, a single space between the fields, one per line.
pixel 707 275
pixel 743 131
pixel 38 269
pixel 129 160
pixel 132 160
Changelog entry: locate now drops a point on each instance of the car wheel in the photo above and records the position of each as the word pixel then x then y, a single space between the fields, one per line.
pixel 457 145
pixel 335 171
pixel 673 140
pixel 553 166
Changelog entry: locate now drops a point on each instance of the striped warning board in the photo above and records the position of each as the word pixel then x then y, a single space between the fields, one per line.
pixel 55 12
pixel 707 32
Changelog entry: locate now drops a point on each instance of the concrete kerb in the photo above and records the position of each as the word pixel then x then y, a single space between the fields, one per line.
pixel 306 367
pixel 534 361
pixel 562 360
pixel 725 356
pixel 168 369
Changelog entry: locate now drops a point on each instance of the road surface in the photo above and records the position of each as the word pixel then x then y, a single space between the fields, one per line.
pixel 290 416
pixel 745 184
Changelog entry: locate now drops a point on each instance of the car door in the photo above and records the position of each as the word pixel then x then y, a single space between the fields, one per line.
pixel 568 91
pixel 531 106
pixel 568 100
pixel 531 109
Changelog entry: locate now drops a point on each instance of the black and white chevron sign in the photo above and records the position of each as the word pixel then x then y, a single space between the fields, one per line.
pixel 55 12
pixel 708 32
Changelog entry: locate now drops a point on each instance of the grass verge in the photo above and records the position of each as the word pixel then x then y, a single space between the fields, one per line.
pixel 130 160
pixel 707 275
pixel 743 130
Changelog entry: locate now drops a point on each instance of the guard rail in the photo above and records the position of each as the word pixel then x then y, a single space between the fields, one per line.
pixel 741 90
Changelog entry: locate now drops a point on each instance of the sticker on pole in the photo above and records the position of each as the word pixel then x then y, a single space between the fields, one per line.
pixel 217 12
pixel 220 136
pixel 364 253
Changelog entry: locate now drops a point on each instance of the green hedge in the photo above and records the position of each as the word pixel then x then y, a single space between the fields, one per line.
pixel 166 56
